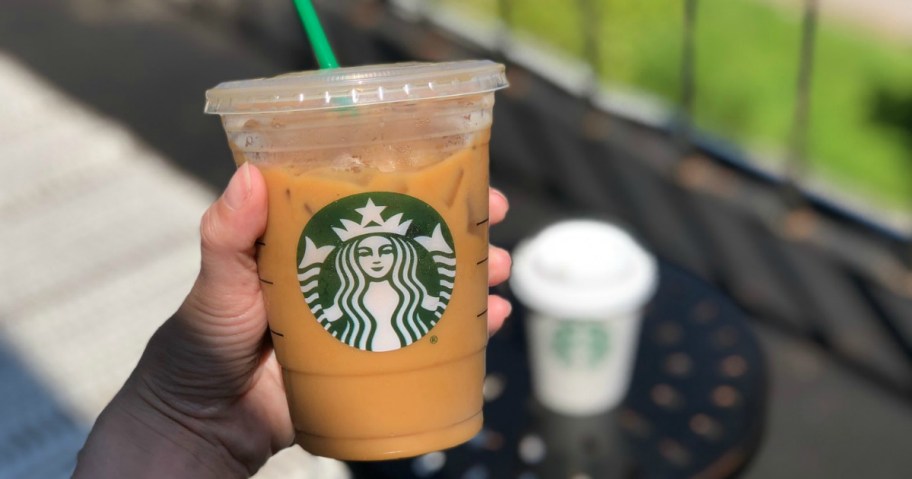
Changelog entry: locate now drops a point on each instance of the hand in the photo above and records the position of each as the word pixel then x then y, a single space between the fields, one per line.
pixel 206 399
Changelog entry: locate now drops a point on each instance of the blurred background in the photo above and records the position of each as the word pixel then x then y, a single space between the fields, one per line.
pixel 762 147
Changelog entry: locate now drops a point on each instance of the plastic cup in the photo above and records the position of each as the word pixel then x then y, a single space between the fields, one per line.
pixel 373 261
pixel 585 283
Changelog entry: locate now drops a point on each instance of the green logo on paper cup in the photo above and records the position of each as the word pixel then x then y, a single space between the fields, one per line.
pixel 377 269
pixel 580 344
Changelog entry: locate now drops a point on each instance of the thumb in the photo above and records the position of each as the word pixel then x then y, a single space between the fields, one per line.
pixel 228 285
pixel 212 345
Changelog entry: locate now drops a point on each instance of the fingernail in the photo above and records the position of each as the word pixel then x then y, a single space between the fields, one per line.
pixel 502 196
pixel 238 188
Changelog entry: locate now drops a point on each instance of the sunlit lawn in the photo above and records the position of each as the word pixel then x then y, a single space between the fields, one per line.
pixel 747 61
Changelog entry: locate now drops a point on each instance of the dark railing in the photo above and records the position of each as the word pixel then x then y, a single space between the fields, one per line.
pixel 793 259
pixel 870 261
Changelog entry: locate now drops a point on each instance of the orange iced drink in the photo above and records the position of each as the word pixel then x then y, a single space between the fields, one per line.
pixel 374 260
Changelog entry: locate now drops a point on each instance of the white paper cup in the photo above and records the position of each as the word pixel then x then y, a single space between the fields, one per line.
pixel 585 283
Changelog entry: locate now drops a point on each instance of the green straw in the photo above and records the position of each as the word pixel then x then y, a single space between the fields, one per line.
pixel 316 35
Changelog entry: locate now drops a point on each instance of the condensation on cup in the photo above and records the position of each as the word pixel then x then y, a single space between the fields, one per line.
pixel 585 283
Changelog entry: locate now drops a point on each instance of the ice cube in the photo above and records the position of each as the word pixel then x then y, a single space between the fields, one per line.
pixel 348 163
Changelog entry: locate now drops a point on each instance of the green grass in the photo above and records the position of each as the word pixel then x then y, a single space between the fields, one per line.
pixel 747 60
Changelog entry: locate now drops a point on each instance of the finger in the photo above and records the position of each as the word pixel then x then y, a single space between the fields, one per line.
pixel 212 346
pixel 499 264
pixel 276 414
pixel 498 310
pixel 497 206
pixel 228 284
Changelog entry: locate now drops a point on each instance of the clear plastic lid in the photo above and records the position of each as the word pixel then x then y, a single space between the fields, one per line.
pixel 583 269
pixel 355 86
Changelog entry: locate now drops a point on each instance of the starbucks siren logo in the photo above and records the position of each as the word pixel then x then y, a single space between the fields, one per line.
pixel 377 269
pixel 581 343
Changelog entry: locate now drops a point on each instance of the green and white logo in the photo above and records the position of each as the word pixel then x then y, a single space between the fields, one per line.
pixel 377 269
pixel 581 344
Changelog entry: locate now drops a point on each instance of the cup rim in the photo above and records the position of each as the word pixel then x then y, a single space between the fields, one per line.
pixel 353 87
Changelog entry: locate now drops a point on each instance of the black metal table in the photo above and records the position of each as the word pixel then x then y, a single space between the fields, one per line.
pixel 695 407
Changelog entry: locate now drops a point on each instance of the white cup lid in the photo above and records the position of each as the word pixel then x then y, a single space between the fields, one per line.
pixel 583 269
